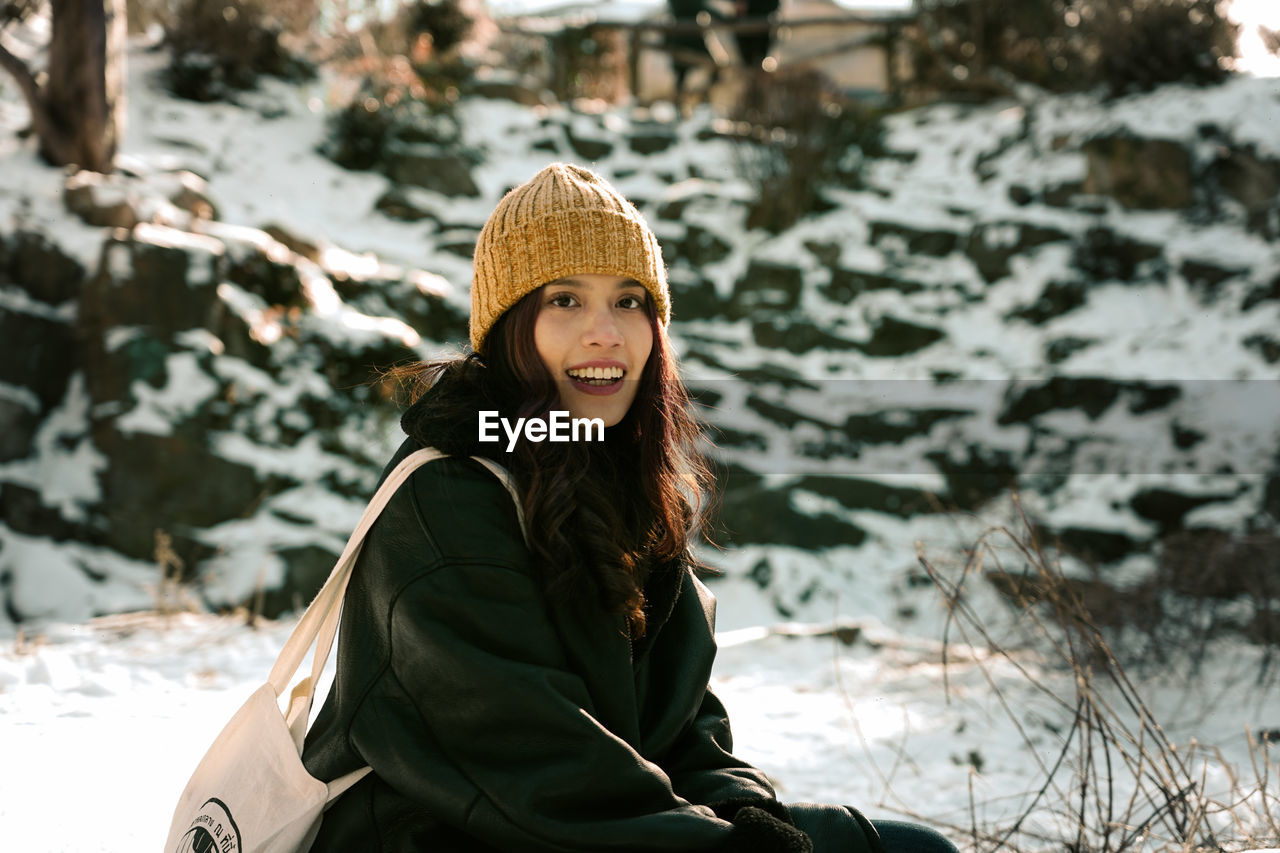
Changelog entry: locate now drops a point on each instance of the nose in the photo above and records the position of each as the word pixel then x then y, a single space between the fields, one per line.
pixel 602 329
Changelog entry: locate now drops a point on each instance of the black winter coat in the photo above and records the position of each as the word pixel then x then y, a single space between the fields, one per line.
pixel 495 719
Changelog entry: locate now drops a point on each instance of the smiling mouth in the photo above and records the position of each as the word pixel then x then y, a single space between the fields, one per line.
pixel 596 377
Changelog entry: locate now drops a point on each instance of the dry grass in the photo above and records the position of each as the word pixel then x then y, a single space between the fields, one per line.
pixel 1115 781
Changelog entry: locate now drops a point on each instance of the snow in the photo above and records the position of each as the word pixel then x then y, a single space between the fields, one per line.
pixel 137 699
pixel 186 388
pixel 65 465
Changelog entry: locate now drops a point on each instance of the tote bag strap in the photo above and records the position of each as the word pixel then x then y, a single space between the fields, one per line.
pixel 319 624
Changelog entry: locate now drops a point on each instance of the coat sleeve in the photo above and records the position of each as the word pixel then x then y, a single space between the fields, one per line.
pixel 479 718
pixel 700 760
pixel 704 770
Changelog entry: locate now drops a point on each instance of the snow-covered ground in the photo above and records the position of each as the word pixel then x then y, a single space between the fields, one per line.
pixel 101 723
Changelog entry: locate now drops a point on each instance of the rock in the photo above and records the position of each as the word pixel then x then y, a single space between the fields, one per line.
pixel 766 286
pixel 1183 437
pixel 37 353
pixel 858 494
pixel 152 285
pixel 1141 174
pixel 700 247
pixel 1103 255
pixel 1063 194
pixel 190 192
pixel 894 426
pixel 846 284
pixel 651 139
pixel 692 296
pixel 170 483
pixel 424 304
pixel 1206 276
pixel 1251 180
pixel 100 200
pixel 782 415
pixel 1096 547
pixel 1265 345
pixel 892 337
pixel 587 147
pixel 275 280
pixel 306 569
pixel 353 365
pixel 1092 395
pixel 458 241
pixel 1262 293
pixel 18 424
pixel 1168 508
pixel 38 267
pixel 397 203
pixel 296 243
pixel 1144 397
pixel 828 254
pixel 753 513
pixel 934 242
pixel 796 335
pixel 259 263
pixel 426 165
pixel 24 511
pixel 990 245
pixel 727 436
pixel 1021 195
pixel 1059 350
pixel 157 277
pixel 1057 298
pixel 673 209
pixel 977 477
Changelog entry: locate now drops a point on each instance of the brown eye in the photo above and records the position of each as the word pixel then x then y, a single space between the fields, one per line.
pixel 631 302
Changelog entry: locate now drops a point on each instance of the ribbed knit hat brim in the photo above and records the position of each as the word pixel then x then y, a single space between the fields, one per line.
pixel 565 221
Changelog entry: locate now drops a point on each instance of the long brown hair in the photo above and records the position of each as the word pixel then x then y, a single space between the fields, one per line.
pixel 600 515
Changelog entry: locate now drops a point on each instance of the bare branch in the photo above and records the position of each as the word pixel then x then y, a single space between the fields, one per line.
pixel 22 75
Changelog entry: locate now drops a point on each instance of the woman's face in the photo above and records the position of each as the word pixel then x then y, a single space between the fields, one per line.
pixel 592 332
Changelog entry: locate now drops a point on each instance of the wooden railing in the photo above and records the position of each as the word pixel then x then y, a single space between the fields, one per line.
pixel 885 32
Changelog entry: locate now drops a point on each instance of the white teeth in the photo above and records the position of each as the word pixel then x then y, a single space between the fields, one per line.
pixel 596 373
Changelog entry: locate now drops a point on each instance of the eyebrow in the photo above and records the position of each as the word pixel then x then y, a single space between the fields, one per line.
pixel 574 282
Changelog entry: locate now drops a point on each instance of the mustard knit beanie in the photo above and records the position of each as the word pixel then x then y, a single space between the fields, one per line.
pixel 565 221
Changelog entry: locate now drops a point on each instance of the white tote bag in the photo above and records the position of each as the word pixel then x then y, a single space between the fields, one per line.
pixel 251 793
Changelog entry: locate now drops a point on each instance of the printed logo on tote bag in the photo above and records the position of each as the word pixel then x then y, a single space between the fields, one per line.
pixel 212 831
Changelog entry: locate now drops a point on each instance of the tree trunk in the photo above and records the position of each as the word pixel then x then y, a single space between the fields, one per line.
pixel 78 113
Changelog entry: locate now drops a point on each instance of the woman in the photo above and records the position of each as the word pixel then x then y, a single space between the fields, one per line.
pixel 545 687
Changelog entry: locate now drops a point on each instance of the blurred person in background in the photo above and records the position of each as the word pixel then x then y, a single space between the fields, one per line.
pixel 755 46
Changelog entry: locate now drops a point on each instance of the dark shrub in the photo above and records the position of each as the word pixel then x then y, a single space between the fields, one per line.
pixel 221 47
pixel 983 48
pixel 447 22
pixel 1144 43
pixel 1206 584
pixel 798 133
pixel 390 108
pixel 589 62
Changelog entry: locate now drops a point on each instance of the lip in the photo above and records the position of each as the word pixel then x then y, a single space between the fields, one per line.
pixel 596 390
